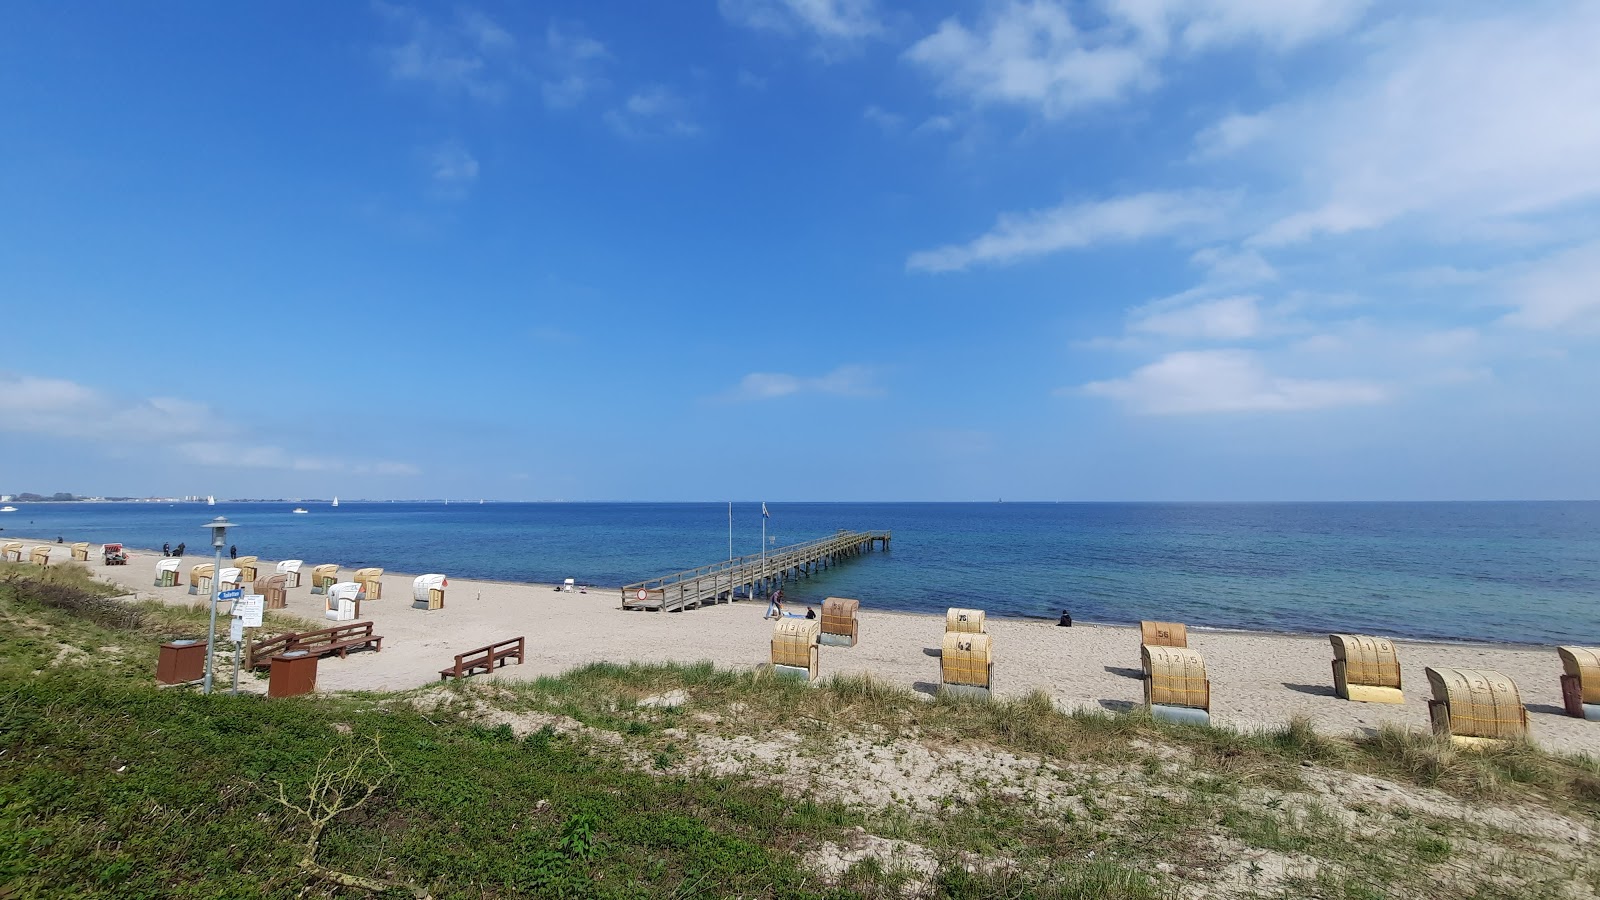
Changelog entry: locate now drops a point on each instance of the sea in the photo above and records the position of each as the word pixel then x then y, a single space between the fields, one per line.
pixel 1515 572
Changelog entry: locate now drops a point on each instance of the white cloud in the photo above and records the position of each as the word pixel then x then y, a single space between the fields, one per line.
pixel 1075 225
pixel 1230 318
pixel 1451 126
pixel 1230 267
pixel 1033 54
pixel 1280 24
pixel 58 408
pixel 652 111
pixel 1561 291
pixel 452 168
pixel 1227 381
pixel 882 118
pixel 1230 135
pixel 831 20
pixel 574 62
pixel 847 381
pixel 470 56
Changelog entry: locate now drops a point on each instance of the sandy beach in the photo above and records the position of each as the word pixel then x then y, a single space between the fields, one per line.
pixel 1258 680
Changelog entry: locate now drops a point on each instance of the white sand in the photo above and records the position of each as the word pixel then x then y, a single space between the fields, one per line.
pixel 1256 679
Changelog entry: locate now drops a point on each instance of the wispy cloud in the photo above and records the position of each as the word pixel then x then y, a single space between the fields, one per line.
pixel 1227 381
pixel 452 169
pixel 470 55
pixel 1225 319
pixel 59 408
pixel 1037 55
pixel 574 63
pixel 1561 291
pixel 653 111
pixel 1070 226
pixel 844 381
pixel 836 21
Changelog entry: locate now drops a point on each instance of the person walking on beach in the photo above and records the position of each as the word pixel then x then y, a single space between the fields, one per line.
pixel 774 605
pixel 233 552
pixel 166 549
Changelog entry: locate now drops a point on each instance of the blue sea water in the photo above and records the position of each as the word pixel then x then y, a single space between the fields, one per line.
pixel 1520 572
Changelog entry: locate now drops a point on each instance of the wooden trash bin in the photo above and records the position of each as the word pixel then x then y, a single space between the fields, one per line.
pixel 794 648
pixel 200 579
pixel 966 664
pixel 167 572
pixel 427 591
pixel 80 551
pixel 40 556
pixel 291 569
pixel 293 673
pixel 322 576
pixel 840 628
pixel 1163 634
pixel 1580 682
pixel 1366 668
pixel 1176 688
pixel 273 590
pixel 11 551
pixel 248 568
pixel 371 581
pixel 964 621
pixel 1475 706
pixel 181 662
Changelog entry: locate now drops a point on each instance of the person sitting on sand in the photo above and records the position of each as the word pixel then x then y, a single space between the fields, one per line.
pixel 774 605
pixel 179 550
pixel 811 613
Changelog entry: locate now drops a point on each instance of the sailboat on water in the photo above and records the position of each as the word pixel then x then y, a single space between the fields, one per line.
pixel 210 500
pixel 335 499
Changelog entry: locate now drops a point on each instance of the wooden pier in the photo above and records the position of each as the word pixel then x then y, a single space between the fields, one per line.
pixel 753 575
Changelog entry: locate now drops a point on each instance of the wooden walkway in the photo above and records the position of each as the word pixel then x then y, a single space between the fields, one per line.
pixel 718 582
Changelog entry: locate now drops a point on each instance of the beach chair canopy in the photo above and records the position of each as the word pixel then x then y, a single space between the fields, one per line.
pixel 965 658
pixel 1476 703
pixel 1367 660
pixel 1163 634
pixel 168 565
pixel 202 570
pixel 1175 676
pixel 792 642
pixel 344 590
pixel 425 583
pixel 289 566
pixel 967 621
pixel 230 576
pixel 366 574
pixel 270 583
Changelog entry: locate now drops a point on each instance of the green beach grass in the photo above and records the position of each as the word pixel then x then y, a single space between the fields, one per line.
pixel 690 781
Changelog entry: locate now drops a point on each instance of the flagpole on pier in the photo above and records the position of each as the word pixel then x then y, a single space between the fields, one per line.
pixel 764 548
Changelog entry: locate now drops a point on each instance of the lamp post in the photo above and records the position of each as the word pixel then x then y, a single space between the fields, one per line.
pixel 219 539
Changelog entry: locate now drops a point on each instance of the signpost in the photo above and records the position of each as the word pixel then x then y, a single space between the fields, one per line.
pixel 247 611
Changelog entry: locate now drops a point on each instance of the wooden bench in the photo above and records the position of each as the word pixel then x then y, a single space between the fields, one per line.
pixel 485 658
pixel 340 639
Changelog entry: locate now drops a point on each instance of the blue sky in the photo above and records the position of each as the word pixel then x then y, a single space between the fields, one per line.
pixel 801 249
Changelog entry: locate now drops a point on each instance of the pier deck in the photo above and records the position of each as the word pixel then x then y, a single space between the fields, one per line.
pixel 718 582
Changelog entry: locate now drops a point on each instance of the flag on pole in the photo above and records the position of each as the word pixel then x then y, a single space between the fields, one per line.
pixel 764 513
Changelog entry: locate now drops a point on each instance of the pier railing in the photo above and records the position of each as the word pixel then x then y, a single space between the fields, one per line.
pixel 754 573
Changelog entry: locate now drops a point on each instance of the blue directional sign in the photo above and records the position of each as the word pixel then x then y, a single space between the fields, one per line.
pixel 234 594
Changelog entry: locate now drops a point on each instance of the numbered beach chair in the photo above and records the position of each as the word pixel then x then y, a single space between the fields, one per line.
pixel 1475 706
pixel 1366 668
pixel 966 664
pixel 344 601
pixel 200 578
pixel 1176 688
pixel 291 569
pixel 1163 634
pixel 274 591
pixel 247 568
pixel 964 621
pixel 427 591
pixel 323 576
pixel 1580 682
pixel 839 624
pixel 794 648
pixel 40 556
pixel 167 572
pixel 11 551
pixel 371 581
pixel 80 551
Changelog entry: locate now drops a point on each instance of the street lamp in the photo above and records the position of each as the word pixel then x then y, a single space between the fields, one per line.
pixel 219 539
